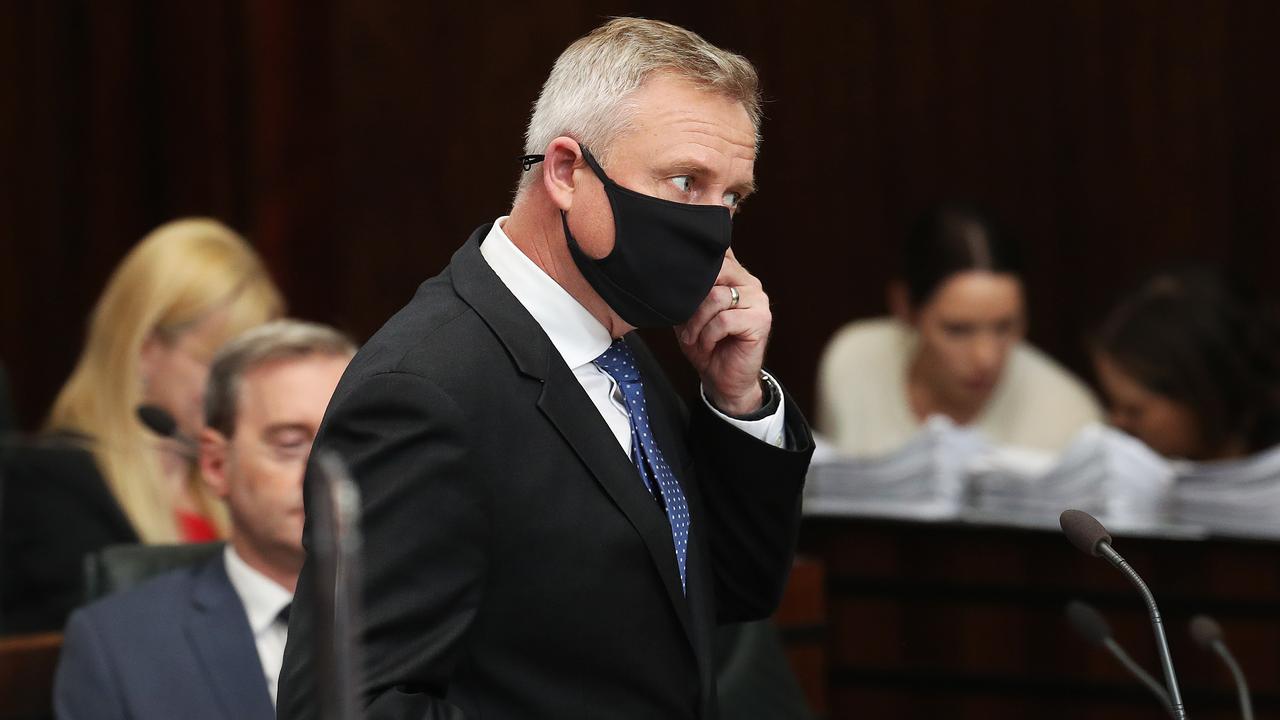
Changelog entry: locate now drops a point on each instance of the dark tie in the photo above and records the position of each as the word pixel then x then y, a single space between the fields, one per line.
pixel 283 616
pixel 620 364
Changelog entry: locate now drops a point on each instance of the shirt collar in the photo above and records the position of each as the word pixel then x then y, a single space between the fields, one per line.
pixel 262 598
pixel 574 331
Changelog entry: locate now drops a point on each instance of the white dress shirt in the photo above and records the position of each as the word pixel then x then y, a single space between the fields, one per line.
pixel 580 339
pixel 263 599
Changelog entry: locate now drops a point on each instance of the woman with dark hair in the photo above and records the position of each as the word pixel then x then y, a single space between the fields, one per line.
pixel 954 347
pixel 1190 365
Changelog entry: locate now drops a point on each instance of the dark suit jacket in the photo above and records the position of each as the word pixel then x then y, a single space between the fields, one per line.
pixel 515 565
pixel 55 509
pixel 176 647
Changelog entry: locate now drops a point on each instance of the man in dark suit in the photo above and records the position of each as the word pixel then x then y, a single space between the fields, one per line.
pixel 207 641
pixel 549 532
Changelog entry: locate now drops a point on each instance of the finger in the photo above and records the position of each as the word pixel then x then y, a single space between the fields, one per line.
pixel 717 301
pixel 732 273
pixel 715 331
pixel 730 254
pixel 744 324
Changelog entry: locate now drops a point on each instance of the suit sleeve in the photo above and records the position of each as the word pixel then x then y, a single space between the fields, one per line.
pixel 85 686
pixel 752 491
pixel 424 528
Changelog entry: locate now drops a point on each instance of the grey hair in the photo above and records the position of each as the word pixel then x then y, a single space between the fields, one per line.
pixel 278 340
pixel 585 96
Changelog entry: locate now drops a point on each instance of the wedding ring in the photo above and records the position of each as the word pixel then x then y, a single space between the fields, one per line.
pixel 734 297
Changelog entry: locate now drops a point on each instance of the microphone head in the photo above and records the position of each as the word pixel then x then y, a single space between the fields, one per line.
pixel 158 420
pixel 1205 631
pixel 1088 622
pixel 1084 531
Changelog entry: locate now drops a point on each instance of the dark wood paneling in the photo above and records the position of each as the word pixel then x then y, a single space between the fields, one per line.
pixel 802 622
pixel 27 665
pixel 359 142
pixel 929 616
pixel 120 116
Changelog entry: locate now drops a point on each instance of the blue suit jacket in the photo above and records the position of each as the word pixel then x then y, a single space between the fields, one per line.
pixel 178 646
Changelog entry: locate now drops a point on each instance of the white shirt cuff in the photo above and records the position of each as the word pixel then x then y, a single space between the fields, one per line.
pixel 770 429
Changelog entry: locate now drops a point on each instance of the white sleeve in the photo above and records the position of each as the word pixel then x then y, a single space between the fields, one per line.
pixel 768 429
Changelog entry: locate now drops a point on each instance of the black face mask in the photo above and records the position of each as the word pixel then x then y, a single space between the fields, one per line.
pixel 665 258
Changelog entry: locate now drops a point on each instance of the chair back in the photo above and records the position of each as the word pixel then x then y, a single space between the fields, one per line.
pixel 120 567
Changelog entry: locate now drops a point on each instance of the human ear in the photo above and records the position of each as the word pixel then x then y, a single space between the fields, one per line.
pixel 560 164
pixel 214 458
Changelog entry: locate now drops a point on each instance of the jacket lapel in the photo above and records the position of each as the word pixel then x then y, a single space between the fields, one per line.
pixel 667 418
pixel 219 632
pixel 568 408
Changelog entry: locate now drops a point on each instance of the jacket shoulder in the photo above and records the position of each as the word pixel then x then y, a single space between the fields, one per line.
pixel 149 605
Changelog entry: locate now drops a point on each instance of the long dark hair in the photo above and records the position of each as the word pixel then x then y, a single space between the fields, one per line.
pixel 949 239
pixel 1207 342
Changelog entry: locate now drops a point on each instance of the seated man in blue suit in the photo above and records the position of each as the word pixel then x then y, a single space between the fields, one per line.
pixel 207 641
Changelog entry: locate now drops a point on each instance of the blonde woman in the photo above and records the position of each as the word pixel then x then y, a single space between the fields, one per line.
pixel 101 476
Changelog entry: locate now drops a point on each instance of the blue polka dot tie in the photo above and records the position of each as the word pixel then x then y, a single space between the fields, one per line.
pixel 620 364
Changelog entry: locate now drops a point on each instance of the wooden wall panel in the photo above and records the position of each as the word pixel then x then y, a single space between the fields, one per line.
pixel 358 143
pixel 971 619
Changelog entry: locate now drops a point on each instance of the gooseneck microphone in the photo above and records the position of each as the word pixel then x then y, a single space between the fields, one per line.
pixel 1090 624
pixel 162 423
pixel 1088 535
pixel 1208 634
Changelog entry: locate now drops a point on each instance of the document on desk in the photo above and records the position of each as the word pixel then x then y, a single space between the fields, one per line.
pixel 1103 472
pixel 923 480
pixel 947 472
pixel 1230 497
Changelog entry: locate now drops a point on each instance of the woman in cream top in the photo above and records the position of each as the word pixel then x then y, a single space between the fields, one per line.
pixel 864 407
pixel 954 348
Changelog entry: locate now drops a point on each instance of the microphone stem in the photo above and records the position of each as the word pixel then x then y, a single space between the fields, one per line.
pixel 1157 625
pixel 1246 705
pixel 1136 670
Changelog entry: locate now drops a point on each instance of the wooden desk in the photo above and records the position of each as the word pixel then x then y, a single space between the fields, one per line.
pixel 27 663
pixel 931 620
pixel 802 622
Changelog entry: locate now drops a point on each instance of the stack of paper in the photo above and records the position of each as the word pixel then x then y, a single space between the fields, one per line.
pixel 1103 472
pixel 947 471
pixel 922 479
pixel 1020 486
pixel 1234 497
pixel 1138 481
